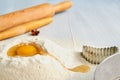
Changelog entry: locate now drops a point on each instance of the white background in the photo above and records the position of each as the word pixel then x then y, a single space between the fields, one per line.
pixel 91 22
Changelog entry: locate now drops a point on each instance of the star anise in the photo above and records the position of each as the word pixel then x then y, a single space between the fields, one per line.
pixel 34 32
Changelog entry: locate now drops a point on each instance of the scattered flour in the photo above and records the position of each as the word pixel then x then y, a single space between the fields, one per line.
pixel 41 67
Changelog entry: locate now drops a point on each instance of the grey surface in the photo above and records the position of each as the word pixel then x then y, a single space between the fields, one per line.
pixel 109 69
pixel 92 22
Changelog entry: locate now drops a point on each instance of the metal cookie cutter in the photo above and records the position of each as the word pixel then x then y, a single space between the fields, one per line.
pixel 96 55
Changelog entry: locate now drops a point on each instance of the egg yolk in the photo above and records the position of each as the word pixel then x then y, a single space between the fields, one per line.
pixel 26 50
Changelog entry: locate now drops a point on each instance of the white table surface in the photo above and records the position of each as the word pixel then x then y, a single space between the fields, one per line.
pixel 91 22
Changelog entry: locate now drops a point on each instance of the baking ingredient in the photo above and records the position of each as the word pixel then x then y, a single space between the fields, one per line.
pixel 30 14
pixel 39 67
pixel 21 29
pixel 26 50
pixel 32 49
pixel 35 32
pixel 81 68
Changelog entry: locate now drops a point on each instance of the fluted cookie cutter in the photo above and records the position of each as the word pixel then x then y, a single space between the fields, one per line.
pixel 96 55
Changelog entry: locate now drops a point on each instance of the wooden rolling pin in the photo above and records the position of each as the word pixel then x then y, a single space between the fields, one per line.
pixel 23 28
pixel 30 14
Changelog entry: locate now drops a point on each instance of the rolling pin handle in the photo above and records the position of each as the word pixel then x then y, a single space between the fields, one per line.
pixel 62 6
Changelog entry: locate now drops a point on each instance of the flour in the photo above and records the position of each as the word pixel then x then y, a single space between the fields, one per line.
pixel 40 67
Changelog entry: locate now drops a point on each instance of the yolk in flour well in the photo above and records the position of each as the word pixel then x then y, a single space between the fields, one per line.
pixel 26 50
pixel 31 49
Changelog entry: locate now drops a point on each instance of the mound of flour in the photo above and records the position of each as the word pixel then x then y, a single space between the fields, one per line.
pixel 40 67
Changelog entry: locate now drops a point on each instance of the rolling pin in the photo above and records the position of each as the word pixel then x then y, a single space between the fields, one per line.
pixel 24 28
pixel 30 14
